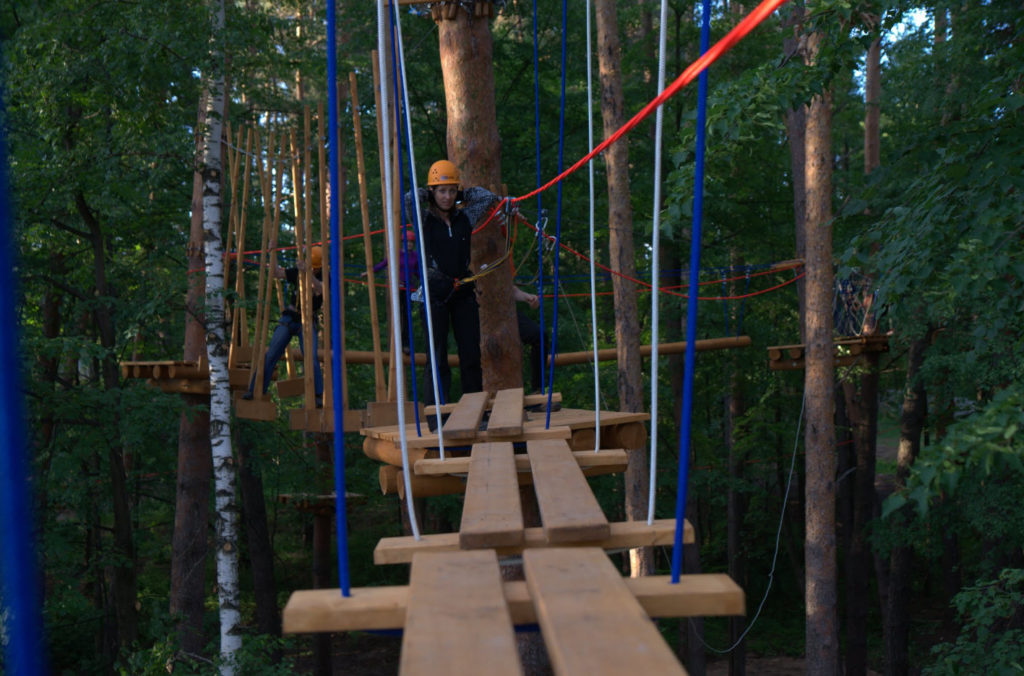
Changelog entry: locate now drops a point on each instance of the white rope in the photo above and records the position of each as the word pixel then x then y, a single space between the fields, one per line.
pixel 593 270
pixel 656 264
pixel 389 233
pixel 419 235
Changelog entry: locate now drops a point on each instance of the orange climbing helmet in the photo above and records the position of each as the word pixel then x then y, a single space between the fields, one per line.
pixel 443 172
pixel 316 257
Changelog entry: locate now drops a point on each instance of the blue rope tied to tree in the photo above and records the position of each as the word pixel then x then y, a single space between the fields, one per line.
pixel 691 306
pixel 337 357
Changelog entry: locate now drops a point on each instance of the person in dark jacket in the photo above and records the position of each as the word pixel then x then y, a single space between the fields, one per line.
pixel 453 304
pixel 290 324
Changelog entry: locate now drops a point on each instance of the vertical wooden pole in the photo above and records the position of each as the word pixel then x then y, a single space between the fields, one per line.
pixel 378 365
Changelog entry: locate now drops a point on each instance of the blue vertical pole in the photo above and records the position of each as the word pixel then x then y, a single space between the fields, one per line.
pixel 337 358
pixel 24 652
pixel 691 303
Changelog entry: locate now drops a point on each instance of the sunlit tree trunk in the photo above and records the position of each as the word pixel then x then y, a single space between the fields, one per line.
pixel 622 258
pixel 466 51
pixel 819 390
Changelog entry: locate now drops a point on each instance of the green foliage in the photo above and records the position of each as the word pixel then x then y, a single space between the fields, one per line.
pixel 992 629
pixel 986 447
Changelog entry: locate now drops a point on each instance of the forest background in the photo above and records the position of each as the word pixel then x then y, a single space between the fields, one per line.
pixel 101 104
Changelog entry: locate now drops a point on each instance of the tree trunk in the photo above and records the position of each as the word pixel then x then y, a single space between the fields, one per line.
pixel 190 542
pixel 912 419
pixel 474 146
pixel 124 575
pixel 862 405
pixel 220 393
pixel 261 552
pixel 736 509
pixel 819 390
pixel 621 254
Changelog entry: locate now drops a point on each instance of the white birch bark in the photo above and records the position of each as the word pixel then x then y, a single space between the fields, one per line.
pixel 226 519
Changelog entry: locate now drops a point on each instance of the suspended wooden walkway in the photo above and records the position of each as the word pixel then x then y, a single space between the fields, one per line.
pixel 457 613
pixel 848 351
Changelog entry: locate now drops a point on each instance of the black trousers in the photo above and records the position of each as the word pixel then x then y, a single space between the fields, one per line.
pixel 530 335
pixel 462 315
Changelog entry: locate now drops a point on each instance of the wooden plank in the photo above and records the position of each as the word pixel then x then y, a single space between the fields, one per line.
pixel 590 620
pixel 568 508
pixel 506 414
pixel 429 439
pixel 623 535
pixel 491 513
pixel 375 608
pixel 528 400
pixel 464 422
pixel 256 409
pixel 457 619
pixel 606 457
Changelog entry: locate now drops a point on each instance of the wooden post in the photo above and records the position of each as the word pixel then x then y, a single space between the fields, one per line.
pixel 378 365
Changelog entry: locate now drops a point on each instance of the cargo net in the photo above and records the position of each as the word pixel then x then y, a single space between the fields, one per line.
pixel 854 312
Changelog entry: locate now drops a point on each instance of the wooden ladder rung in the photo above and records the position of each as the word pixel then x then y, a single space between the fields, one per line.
pixel 376 608
pixel 464 422
pixel 492 515
pixel 606 457
pixel 458 621
pixel 591 622
pixel 506 414
pixel 569 511
pixel 623 535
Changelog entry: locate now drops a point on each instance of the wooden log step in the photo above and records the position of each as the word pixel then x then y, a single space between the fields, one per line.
pixel 381 608
pixel 491 513
pixel 457 620
pixel 591 621
pixel 390 434
pixel 464 421
pixel 255 409
pixel 569 511
pixel 430 485
pixel 608 457
pixel 622 535
pixel 528 400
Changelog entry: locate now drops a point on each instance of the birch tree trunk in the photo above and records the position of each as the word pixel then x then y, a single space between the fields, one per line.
pixel 620 246
pixel 220 393
pixel 819 391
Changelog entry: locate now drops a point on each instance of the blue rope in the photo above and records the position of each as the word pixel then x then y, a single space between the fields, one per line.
pixel 691 307
pixel 558 216
pixel 24 651
pixel 337 357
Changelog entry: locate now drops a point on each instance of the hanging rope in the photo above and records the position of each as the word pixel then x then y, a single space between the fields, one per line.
pixel 656 265
pixel 593 255
pixel 341 520
pixel 691 308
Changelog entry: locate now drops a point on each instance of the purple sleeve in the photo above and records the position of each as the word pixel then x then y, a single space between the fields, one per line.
pixel 380 266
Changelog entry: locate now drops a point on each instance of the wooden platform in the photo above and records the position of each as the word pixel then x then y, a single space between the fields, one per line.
pixel 848 351
pixel 459 616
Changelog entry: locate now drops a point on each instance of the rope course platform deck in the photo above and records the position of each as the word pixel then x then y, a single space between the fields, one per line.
pixel 459 617
pixel 848 351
